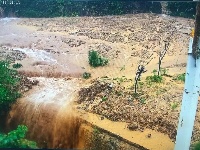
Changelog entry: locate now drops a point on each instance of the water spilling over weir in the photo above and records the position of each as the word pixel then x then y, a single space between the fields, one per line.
pixel 47 112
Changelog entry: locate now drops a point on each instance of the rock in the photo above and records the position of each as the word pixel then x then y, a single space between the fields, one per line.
pixel 132 126
pixel 149 135
pixel 102 118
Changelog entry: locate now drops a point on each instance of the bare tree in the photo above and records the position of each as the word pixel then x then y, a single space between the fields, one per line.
pixel 162 55
pixel 141 69
pixel 163 52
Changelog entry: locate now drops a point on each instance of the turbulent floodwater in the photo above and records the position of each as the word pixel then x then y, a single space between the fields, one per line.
pixel 47 111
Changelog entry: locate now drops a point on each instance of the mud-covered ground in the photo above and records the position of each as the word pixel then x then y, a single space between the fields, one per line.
pixel 58 47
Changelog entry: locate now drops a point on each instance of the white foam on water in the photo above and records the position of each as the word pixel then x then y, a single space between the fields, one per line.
pixel 6 20
pixel 38 55
pixel 55 91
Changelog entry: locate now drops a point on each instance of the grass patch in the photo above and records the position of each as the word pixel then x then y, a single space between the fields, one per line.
pixel 104 98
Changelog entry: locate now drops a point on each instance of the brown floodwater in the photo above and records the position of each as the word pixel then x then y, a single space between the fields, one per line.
pixel 47 112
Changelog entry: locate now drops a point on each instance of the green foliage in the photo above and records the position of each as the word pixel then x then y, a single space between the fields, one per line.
pixel 186 9
pixel 136 95
pixel 122 79
pixel 154 71
pixel 104 98
pixel 154 78
pixel 86 75
pixel 180 77
pixel 174 105
pixel 17 65
pixel 57 8
pixel 9 82
pixel 196 146
pixel 163 72
pixel 16 139
pixel 143 101
pixel 141 84
pixel 96 60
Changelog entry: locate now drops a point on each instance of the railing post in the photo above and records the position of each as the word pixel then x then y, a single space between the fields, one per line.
pixel 191 90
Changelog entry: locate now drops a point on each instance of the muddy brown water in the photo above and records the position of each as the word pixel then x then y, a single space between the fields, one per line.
pixel 47 112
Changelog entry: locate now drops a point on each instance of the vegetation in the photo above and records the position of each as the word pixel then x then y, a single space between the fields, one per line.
pixel 143 101
pixel 96 60
pixel 9 82
pixel 174 105
pixel 154 78
pixel 16 139
pixel 186 9
pixel 195 146
pixel 56 8
pixel 163 71
pixel 86 75
pixel 17 65
pixel 104 98
pixel 180 77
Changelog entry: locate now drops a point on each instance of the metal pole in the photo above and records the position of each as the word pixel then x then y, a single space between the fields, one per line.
pixel 191 91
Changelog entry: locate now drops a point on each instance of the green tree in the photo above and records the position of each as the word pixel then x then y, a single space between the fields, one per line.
pixel 186 9
pixel 16 139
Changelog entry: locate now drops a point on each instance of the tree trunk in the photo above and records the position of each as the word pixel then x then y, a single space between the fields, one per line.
pixel 159 65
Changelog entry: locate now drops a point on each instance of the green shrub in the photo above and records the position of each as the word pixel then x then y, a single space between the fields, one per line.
pixel 143 101
pixel 86 75
pixel 96 60
pixel 180 77
pixel 9 83
pixel 104 98
pixel 17 65
pixel 154 78
pixel 195 146
pixel 174 105
pixel 16 139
